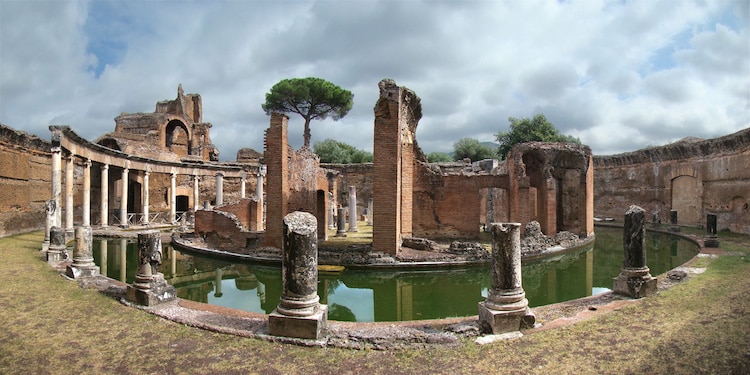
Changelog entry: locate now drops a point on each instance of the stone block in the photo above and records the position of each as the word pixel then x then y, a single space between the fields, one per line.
pixel 634 287
pixel 159 292
pixel 303 327
pixel 711 242
pixel 499 322
pixel 77 272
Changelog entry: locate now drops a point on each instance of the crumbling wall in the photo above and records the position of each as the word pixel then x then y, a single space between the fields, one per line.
pixel 715 173
pixel 223 231
pixel 25 178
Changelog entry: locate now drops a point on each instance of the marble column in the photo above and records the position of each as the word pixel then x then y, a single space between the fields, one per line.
pixel 83 257
pixel 86 205
pixel 145 195
pixel 340 223
pixel 353 209
pixel 299 313
pixel 69 166
pixel 331 212
pixel 369 212
pixel 506 307
pixel 196 193
pixel 173 198
pixel 49 221
pixel 219 189
pixel 57 184
pixel 104 209
pixel 124 199
pixel 243 180
pixel 635 279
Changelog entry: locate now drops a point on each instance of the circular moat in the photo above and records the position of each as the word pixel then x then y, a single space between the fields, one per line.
pixel 396 295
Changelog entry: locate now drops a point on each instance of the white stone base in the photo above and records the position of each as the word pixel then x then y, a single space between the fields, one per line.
pixel 303 327
pixel 501 321
pixel 634 287
pixel 77 272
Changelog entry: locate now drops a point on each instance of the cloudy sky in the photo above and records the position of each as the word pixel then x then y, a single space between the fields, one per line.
pixel 620 75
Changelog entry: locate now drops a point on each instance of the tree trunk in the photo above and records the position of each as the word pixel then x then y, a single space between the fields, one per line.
pixel 306 134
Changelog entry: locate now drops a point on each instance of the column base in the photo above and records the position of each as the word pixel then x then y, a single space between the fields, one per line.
pixel 45 246
pixel 77 272
pixel 674 228
pixel 497 322
pixel 340 234
pixel 634 286
pixel 159 292
pixel 712 242
pixel 303 327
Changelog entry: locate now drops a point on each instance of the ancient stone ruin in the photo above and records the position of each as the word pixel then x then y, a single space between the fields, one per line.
pixel 634 280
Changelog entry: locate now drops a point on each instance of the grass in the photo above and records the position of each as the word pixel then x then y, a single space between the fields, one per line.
pixel 50 325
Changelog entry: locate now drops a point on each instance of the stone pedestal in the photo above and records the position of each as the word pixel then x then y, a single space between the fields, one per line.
pixel 149 288
pixel 634 279
pixel 712 239
pixel 299 313
pixel 83 258
pixel 506 306
pixel 56 251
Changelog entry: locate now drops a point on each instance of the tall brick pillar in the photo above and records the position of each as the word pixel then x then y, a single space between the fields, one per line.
pixel 277 184
pixel 397 113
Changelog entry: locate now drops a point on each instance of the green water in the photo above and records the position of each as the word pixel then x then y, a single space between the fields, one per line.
pixel 396 295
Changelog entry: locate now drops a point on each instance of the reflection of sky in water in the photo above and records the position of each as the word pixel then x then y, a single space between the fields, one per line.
pixel 232 297
pixel 359 301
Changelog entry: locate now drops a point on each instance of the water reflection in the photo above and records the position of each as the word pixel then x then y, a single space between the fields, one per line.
pixel 354 295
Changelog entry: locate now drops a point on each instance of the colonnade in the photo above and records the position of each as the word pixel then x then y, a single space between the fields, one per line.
pixel 66 222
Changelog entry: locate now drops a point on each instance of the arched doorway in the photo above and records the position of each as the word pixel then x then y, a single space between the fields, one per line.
pixel 177 138
pixel 686 199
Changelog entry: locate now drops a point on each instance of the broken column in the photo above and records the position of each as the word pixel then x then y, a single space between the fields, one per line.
pixel 331 212
pixel 634 280
pixel 299 313
pixel 56 251
pixel 340 223
pixel 506 306
pixel 49 209
pixel 83 256
pixel 149 288
pixel 673 227
pixel 712 239
pixel 353 209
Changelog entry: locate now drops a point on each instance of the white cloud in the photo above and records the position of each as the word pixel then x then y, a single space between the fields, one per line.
pixel 618 75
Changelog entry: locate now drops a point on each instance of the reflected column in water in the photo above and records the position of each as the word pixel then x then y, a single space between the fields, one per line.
pixel 261 292
pixel 103 256
pixel 123 259
pixel 217 284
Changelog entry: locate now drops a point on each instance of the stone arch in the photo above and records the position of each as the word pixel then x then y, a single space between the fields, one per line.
pixel 177 137
pixel 738 204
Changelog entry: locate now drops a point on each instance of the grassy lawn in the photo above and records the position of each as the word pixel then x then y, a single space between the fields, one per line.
pixel 50 325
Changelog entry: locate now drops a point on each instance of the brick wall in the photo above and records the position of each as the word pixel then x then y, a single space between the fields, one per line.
pixel 277 184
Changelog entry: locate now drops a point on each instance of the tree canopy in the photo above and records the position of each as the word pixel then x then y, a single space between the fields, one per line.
pixel 312 98
pixel 331 151
pixel 472 149
pixel 537 129
pixel 436 157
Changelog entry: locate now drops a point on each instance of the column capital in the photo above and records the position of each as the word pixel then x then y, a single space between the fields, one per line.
pixel 87 163
pixel 105 166
pixel 56 149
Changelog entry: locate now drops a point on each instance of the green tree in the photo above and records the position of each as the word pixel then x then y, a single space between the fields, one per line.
pixel 312 98
pixel 331 151
pixel 436 157
pixel 472 149
pixel 537 129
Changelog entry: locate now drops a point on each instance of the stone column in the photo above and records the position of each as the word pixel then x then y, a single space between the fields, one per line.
pixel 219 189
pixel 124 199
pixel 353 209
pixel 369 212
pixel 712 239
pixel 57 184
pixel 634 280
pixel 299 313
pixel 341 223
pixel 259 184
pixel 196 193
pixel 173 198
pixel 86 205
pixel 56 251
pixel 69 166
pixel 331 212
pixel 83 257
pixel 105 196
pixel 146 199
pixel 506 306
pixel 673 227
pixel 149 287
pixel 243 180
pixel 49 220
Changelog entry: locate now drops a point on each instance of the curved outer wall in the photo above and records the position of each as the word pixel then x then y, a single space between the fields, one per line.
pixel 694 178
